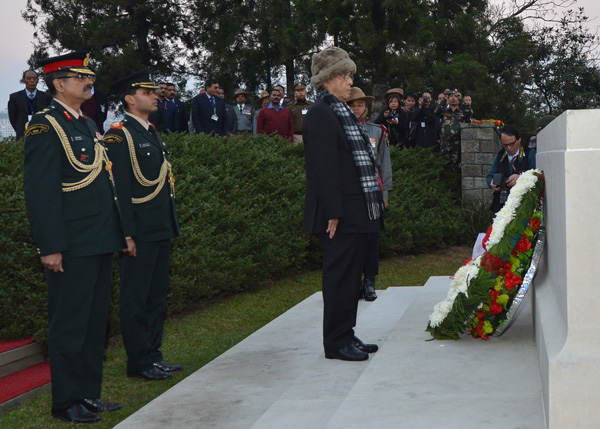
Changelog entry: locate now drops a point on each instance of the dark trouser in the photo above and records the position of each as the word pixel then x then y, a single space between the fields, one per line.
pixel 144 286
pixel 371 266
pixel 78 300
pixel 343 260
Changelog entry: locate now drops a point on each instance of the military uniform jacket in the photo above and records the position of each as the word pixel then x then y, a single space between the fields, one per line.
pixel 299 109
pixel 71 202
pixel 245 117
pixel 381 149
pixel 149 213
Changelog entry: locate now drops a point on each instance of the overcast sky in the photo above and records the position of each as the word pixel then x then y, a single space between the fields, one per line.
pixel 17 43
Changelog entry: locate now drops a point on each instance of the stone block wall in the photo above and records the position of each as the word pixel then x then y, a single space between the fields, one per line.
pixel 480 143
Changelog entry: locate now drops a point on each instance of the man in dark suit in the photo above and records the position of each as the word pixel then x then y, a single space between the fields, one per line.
pixel 343 202
pixel 182 117
pixel 74 216
pixel 23 104
pixel 96 108
pixel 145 185
pixel 231 126
pixel 209 115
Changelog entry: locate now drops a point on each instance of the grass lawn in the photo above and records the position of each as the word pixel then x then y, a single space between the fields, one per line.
pixel 195 339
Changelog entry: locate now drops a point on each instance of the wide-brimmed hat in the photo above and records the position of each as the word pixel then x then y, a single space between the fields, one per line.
pixel 240 92
pixel 329 63
pixel 263 95
pixel 397 91
pixel 357 94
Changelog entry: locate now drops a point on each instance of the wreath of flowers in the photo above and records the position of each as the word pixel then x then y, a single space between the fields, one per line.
pixel 496 122
pixel 483 289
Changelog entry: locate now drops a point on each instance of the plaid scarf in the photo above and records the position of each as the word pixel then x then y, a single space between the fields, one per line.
pixel 362 152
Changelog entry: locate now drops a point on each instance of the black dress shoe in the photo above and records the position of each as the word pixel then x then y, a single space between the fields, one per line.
pixel 367 348
pixel 163 366
pixel 151 374
pixel 75 413
pixel 369 289
pixel 348 352
pixel 97 406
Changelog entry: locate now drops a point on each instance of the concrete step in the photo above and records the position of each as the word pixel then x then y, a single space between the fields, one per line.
pixel 322 388
pixel 278 377
pixel 20 358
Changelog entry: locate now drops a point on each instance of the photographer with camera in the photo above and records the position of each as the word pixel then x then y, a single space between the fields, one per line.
pixel 427 124
pixel 394 118
pixel 508 164
pixel 452 114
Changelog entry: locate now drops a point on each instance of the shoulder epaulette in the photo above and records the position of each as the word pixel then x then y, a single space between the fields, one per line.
pixel 116 125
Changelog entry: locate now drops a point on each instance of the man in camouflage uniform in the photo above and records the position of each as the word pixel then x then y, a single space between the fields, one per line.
pixel 452 114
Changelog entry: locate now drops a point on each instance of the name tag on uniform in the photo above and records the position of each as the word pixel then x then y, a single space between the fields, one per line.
pixel 373 142
pixel 422 124
pixel 143 145
pixel 304 111
pixel 215 117
pixel 76 138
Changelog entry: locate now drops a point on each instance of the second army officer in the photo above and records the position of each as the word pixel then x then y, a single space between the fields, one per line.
pixel 145 186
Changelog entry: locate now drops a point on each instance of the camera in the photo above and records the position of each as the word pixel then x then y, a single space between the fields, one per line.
pixel 499 181
pixel 392 115
pixel 426 99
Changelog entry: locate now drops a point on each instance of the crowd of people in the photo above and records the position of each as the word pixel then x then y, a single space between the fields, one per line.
pixel 411 119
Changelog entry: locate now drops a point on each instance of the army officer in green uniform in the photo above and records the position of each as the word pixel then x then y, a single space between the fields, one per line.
pixel 145 185
pixel 74 218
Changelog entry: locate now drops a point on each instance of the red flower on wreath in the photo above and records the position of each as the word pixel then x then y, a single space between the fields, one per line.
pixel 491 264
pixel 496 308
pixel 534 224
pixel 523 245
pixel 511 280
pixel 494 294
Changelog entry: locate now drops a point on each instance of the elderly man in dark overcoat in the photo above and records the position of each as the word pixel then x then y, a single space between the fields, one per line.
pixel 344 199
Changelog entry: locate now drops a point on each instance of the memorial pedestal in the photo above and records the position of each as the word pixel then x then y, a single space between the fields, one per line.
pixel 567 300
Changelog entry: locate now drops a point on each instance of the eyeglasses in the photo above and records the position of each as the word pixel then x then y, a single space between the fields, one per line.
pixel 348 76
pixel 507 145
pixel 81 77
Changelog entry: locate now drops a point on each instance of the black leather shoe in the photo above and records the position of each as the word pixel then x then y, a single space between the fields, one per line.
pixel 151 374
pixel 367 348
pixel 75 413
pixel 369 289
pixel 163 366
pixel 97 406
pixel 348 352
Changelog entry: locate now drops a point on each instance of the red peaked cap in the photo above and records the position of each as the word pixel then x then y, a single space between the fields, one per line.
pixel 76 62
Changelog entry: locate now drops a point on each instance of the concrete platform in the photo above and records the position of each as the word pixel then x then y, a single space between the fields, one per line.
pixel 279 378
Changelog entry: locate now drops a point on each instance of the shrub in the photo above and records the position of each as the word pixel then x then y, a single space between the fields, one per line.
pixel 423 210
pixel 240 204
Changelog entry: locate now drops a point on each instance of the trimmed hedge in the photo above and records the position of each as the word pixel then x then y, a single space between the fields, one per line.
pixel 240 204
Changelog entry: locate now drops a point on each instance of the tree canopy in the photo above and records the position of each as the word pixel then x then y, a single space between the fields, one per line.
pixel 518 61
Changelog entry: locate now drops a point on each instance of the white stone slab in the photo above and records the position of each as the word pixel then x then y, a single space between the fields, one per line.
pixel 567 300
pixel 279 378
